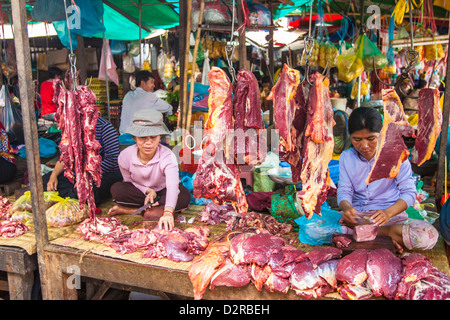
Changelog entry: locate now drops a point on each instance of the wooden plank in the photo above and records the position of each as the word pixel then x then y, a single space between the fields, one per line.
pixel 17 260
pixel 20 285
pixel 81 59
pixel 23 58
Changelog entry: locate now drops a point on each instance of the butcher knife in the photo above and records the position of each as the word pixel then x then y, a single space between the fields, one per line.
pixel 144 207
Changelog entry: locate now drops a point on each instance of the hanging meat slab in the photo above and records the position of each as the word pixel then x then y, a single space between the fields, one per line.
pixel 392 151
pixel 250 140
pixel 284 107
pixel 318 144
pixel 218 176
pixel 77 116
pixel 429 125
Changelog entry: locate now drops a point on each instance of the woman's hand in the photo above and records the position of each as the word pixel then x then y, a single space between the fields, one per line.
pixel 166 220
pixel 52 184
pixel 380 217
pixel 150 197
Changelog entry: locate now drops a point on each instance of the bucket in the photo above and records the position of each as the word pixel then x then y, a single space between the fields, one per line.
pixel 285 207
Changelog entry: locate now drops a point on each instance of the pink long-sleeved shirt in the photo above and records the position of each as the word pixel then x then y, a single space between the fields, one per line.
pixel 159 173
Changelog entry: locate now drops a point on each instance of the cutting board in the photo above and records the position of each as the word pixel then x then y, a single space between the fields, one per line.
pixel 378 243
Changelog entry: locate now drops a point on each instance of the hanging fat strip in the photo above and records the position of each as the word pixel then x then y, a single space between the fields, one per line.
pixel 429 126
pixel 77 116
pixel 217 176
pixel 318 144
pixel 392 151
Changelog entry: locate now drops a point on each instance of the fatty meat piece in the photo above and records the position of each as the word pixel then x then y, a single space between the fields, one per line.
pixel 277 283
pixel 259 275
pixel 230 275
pixel 435 286
pixel 384 272
pixel 306 282
pixel 351 268
pixel 365 232
pixel 355 292
pixel 205 265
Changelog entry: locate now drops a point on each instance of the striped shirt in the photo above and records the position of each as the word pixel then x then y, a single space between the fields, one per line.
pixel 109 140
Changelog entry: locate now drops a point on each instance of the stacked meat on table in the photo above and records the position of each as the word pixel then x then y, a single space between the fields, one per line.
pixel 266 261
pixel 9 228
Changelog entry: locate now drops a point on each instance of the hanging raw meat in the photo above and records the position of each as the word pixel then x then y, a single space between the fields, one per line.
pixel 250 139
pixel 77 116
pixel 218 177
pixel 429 126
pixel 392 150
pixel 284 106
pixel 318 144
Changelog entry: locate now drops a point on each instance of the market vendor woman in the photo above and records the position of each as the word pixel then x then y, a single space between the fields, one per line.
pixel 150 172
pixel 386 198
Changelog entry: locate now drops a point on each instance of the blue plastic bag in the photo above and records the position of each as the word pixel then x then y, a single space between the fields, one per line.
pixel 319 230
pixel 47 149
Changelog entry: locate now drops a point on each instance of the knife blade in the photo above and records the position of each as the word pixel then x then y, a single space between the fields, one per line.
pixel 144 207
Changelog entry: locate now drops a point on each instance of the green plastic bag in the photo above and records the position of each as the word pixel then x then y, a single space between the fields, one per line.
pixel 371 53
pixel 262 181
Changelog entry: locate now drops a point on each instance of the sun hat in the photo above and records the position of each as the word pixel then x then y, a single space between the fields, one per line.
pixel 146 123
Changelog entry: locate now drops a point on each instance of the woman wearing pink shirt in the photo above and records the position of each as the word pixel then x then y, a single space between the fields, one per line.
pixel 150 172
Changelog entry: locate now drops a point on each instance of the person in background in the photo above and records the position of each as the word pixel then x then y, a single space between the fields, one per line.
pixel 150 173
pixel 48 106
pixel 109 140
pixel 8 167
pixel 141 98
pixel 383 201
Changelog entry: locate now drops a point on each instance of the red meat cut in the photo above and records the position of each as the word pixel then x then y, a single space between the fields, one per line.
pixel 322 254
pixel 318 144
pixel 230 275
pixel 365 232
pixel 250 141
pixel 384 271
pixel 351 268
pixel 392 150
pixel 429 125
pixel 217 176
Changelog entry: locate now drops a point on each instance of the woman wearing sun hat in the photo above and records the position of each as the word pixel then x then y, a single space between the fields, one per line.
pixel 150 172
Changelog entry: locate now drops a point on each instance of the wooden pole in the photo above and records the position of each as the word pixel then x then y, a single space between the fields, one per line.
pixel 182 63
pixel 21 42
pixel 81 59
pixel 184 72
pixel 197 41
pixel 443 143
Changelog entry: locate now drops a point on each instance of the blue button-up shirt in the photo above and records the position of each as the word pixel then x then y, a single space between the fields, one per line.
pixel 378 195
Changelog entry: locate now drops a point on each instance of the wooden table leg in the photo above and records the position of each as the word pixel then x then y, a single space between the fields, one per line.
pixel 20 285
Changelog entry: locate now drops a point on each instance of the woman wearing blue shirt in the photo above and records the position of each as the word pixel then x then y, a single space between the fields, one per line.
pixel 384 200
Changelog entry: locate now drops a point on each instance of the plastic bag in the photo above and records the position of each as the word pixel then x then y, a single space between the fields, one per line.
pixel 128 64
pixel 118 47
pixel 364 89
pixel 350 65
pixel 110 65
pixel 22 209
pixel 161 62
pixel 327 53
pixel 259 15
pixel 319 230
pixel 49 10
pixel 11 117
pixel 371 54
pixel 65 213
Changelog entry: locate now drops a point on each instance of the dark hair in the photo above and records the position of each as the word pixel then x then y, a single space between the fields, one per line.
pixel 53 72
pixel 143 75
pixel 364 118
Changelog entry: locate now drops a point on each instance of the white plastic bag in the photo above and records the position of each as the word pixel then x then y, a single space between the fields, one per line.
pixel 206 68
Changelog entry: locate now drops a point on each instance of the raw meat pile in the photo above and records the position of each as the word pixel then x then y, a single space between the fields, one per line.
pixel 306 134
pixel 258 221
pixel 12 229
pixel 214 214
pixel 218 173
pixel 77 116
pixel 5 207
pixel 240 258
pixel 176 245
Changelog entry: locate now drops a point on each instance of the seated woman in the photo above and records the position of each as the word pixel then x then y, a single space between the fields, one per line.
pixel 150 173
pixel 8 167
pixel 386 199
